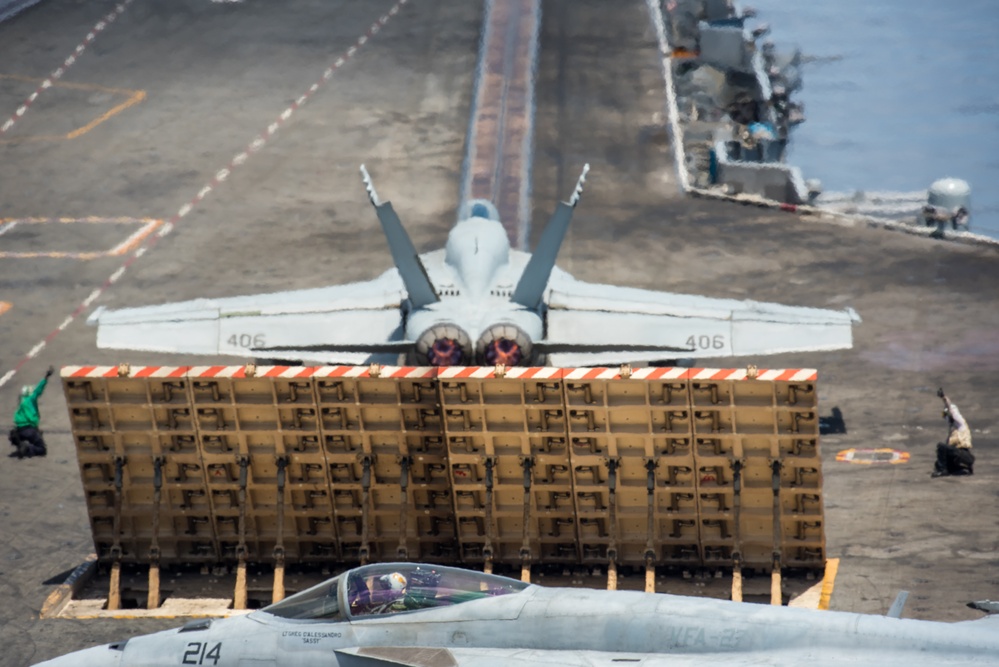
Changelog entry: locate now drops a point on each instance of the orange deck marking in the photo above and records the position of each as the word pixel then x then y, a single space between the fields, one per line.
pixel 148 225
pixel 132 97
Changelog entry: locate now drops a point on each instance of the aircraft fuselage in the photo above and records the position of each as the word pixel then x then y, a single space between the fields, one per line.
pixel 475 317
pixel 615 624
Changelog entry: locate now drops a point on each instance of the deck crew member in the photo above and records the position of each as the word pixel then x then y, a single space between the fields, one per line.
pixel 25 437
pixel 954 457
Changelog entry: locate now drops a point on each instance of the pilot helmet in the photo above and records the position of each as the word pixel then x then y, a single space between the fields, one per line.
pixel 394 582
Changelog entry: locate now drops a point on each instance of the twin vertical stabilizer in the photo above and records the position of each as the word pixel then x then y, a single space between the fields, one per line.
pixel 531 287
pixel 533 281
pixel 414 274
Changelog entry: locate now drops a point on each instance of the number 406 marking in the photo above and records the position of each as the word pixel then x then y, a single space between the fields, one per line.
pixel 198 653
pixel 246 340
pixel 705 342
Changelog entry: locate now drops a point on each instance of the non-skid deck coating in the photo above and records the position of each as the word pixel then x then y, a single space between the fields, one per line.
pixel 501 129
pixel 294 215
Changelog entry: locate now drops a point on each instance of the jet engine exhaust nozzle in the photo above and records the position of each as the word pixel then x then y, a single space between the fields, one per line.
pixel 445 352
pixel 503 351
pixel 443 345
pixel 504 344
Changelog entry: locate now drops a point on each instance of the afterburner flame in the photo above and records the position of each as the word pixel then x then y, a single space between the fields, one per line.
pixel 445 352
pixel 503 351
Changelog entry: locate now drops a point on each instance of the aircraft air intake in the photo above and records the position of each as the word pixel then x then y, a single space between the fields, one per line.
pixel 443 344
pixel 505 344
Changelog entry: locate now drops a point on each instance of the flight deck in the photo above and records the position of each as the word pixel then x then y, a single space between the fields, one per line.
pixel 499 148
pixel 246 146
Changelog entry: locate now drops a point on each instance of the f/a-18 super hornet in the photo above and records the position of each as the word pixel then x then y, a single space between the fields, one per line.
pixel 411 615
pixel 475 302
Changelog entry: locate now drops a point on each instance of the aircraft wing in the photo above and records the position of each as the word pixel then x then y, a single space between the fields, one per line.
pixel 500 657
pixel 356 316
pixel 646 324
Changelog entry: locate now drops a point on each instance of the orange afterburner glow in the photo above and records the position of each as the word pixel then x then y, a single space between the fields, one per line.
pixel 445 352
pixel 503 351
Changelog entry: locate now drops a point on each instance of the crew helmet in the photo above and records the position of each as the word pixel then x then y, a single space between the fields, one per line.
pixel 26 390
pixel 395 582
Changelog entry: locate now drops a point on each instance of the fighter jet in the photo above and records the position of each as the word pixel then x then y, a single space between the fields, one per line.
pixel 412 615
pixel 474 302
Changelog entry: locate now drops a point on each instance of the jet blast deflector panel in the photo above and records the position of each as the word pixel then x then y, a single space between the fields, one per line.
pixel 462 465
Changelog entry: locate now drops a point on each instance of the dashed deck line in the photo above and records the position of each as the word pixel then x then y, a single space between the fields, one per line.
pixel 66 64
pixel 220 176
pixel 132 97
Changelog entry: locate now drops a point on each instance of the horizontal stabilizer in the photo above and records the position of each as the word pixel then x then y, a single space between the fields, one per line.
pixel 588 314
pixel 347 316
pixel 414 274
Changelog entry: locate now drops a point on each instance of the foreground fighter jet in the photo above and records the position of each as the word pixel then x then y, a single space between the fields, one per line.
pixel 410 615
pixel 476 301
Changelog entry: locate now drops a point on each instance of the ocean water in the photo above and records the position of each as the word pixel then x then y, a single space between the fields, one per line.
pixel 897 93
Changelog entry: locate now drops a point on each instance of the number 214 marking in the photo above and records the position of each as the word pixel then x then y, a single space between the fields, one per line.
pixel 198 653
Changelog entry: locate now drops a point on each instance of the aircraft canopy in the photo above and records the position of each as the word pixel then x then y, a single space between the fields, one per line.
pixel 392 588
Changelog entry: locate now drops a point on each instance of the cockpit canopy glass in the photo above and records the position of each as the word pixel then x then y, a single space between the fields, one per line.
pixel 391 588
pixel 317 603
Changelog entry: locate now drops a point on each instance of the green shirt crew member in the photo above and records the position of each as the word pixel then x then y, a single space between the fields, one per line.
pixel 25 437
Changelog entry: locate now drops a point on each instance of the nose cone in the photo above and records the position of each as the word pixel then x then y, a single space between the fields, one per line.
pixel 108 655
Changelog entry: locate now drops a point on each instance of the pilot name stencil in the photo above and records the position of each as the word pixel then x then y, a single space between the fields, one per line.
pixel 310 637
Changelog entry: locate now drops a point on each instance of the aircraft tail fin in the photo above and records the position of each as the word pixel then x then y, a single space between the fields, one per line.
pixel 531 287
pixel 991 618
pixel 414 274
pixel 895 611
pixel 990 607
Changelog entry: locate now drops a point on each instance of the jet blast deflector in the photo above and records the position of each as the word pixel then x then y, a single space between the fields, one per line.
pixel 461 465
